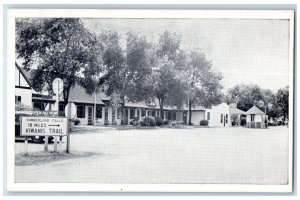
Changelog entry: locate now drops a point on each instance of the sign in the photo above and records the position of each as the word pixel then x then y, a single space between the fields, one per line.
pixel 57 85
pixel 43 126
pixel 73 110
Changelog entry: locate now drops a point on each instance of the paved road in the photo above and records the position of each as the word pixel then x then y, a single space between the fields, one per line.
pixel 202 155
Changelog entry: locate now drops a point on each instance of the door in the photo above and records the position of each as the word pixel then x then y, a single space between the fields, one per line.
pixel 224 121
pixel 90 115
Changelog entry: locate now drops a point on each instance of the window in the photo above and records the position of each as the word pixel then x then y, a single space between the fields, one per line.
pixel 143 112
pixel 208 115
pixel 138 113
pixel 252 118
pixel 126 113
pixel 226 119
pixel 119 113
pixel 174 116
pixel 106 113
pixel 221 118
pixel 169 115
pixel 98 111
pixel 131 113
pixel 153 113
pixel 148 112
pixel 113 115
pixel 80 111
pixel 18 99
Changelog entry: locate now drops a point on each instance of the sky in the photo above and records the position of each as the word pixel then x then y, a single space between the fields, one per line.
pixel 245 51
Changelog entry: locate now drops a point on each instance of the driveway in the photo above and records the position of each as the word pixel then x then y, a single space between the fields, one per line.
pixel 198 155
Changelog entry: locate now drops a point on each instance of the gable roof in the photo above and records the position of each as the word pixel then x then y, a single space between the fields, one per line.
pixel 236 111
pixel 254 110
pixel 23 74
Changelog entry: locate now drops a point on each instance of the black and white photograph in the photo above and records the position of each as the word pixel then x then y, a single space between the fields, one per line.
pixel 151 100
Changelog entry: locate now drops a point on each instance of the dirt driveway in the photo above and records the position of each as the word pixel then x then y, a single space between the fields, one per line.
pixel 199 155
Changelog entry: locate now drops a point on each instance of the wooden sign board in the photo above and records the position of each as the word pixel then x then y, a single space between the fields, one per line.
pixel 43 126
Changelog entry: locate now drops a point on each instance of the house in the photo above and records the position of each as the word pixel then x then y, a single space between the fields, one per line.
pixel 237 116
pixel 255 118
pixel 218 116
pixel 23 90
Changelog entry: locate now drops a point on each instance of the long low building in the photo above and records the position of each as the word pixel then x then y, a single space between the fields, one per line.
pixel 98 109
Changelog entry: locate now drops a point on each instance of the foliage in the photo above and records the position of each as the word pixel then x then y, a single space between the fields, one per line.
pixel 282 100
pixel 147 121
pixel 204 123
pixel 58 48
pixel 166 121
pixel 203 83
pixel 76 121
pixel 158 121
pixel 245 96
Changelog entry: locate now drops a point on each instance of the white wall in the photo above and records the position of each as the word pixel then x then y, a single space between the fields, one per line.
pixel 26 96
pixel 215 115
pixel 197 116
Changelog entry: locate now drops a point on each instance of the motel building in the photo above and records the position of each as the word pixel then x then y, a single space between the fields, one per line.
pixel 98 109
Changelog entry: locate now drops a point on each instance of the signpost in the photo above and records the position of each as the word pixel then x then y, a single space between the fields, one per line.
pixel 57 86
pixel 70 113
pixel 43 126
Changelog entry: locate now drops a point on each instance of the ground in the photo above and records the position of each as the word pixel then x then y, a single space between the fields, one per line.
pixel 163 155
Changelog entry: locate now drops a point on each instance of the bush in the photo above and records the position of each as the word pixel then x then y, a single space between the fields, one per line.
pixel 203 123
pixel 158 121
pixel 147 121
pixel 166 122
pixel 173 123
pixel 114 123
pixel 76 121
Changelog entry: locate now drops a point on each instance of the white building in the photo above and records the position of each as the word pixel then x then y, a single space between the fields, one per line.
pixel 23 90
pixel 218 116
pixel 255 118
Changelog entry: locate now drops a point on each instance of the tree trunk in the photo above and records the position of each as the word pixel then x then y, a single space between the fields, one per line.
pixel 123 111
pixel 190 112
pixel 161 106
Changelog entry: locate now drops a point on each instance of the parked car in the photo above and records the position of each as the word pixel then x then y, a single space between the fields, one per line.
pixel 35 139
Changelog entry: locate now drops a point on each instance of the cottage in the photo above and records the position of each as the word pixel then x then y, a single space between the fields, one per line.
pixel 237 116
pixel 255 118
pixel 218 116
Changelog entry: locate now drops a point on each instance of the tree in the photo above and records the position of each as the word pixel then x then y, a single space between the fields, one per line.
pixel 202 82
pixel 245 96
pixel 282 99
pixel 167 87
pixel 128 70
pixel 59 48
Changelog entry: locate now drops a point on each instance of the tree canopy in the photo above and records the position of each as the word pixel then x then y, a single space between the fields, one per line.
pixel 58 48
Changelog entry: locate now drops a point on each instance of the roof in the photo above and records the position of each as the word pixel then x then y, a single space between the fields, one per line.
pixel 236 111
pixel 79 95
pixel 24 74
pixel 255 110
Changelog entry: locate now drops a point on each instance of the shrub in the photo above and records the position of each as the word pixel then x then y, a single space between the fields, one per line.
pixel 166 122
pixel 203 123
pixel 76 121
pixel 114 123
pixel 158 121
pixel 131 123
pixel 148 121
pixel 173 123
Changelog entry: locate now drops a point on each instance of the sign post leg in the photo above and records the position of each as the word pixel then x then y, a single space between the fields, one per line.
pixel 46 143
pixel 55 143
pixel 26 145
pixel 69 127
pixel 59 144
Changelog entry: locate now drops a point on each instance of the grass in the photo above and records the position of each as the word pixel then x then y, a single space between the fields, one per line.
pixel 42 157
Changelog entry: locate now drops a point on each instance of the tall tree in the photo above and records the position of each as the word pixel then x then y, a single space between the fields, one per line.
pixel 282 98
pixel 167 85
pixel 58 48
pixel 202 82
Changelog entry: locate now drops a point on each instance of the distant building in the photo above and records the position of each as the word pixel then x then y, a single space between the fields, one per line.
pixel 255 118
